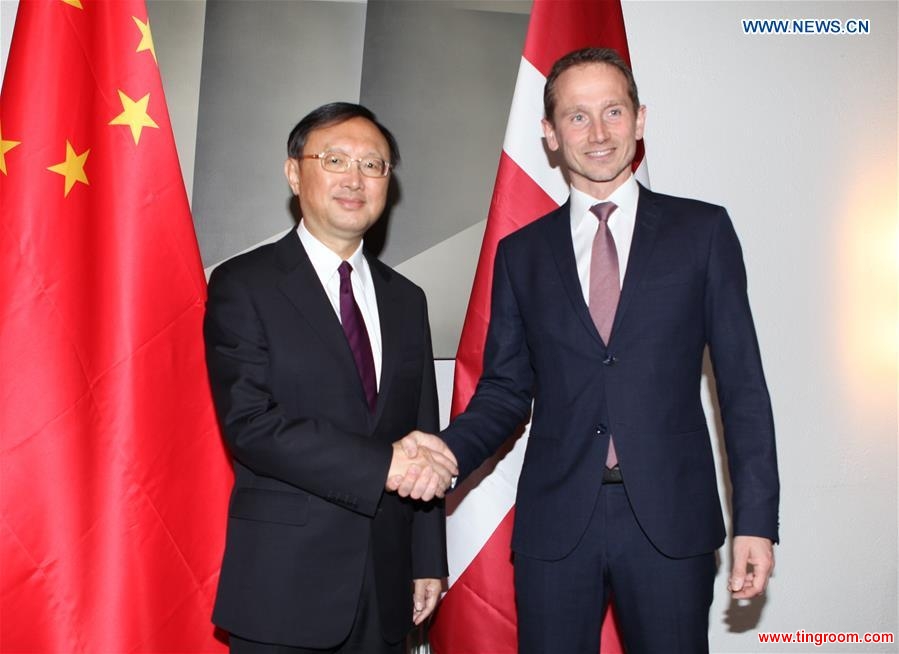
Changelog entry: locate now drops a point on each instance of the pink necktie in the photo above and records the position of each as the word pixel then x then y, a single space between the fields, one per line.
pixel 357 335
pixel 604 286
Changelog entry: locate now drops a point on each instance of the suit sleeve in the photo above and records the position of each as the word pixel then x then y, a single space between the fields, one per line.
pixel 502 399
pixel 429 519
pixel 742 392
pixel 348 469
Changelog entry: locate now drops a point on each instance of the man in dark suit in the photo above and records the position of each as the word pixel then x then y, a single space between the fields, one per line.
pixel 617 497
pixel 319 358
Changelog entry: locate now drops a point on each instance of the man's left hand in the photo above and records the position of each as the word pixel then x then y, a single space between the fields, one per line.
pixel 424 598
pixel 753 564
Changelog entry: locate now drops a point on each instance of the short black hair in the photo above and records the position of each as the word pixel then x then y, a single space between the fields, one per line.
pixel 335 113
pixel 580 58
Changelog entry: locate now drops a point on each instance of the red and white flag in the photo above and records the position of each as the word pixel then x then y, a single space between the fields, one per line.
pixel 113 478
pixel 477 615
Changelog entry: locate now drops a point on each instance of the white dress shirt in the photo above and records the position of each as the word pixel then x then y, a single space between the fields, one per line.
pixel 326 262
pixel 621 224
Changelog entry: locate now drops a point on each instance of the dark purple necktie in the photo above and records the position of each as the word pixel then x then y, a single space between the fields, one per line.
pixel 357 336
pixel 604 286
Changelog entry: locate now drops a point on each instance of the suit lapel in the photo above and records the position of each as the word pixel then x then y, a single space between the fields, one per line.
pixel 559 237
pixel 646 228
pixel 301 285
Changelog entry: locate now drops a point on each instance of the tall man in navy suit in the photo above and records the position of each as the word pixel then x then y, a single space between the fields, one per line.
pixel 601 312
pixel 320 359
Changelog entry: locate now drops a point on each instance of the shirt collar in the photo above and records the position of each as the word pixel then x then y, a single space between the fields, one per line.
pixel 625 198
pixel 326 261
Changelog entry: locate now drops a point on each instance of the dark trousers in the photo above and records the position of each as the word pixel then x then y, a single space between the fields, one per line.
pixel 662 604
pixel 365 636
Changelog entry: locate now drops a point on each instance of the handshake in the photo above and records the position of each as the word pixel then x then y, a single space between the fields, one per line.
pixel 422 467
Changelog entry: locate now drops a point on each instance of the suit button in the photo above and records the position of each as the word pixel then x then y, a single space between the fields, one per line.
pixel 601 430
pixel 609 360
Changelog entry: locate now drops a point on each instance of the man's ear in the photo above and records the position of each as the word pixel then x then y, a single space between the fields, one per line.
pixel 549 133
pixel 640 122
pixel 292 173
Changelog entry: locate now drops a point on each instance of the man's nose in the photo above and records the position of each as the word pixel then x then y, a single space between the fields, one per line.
pixel 598 131
pixel 353 178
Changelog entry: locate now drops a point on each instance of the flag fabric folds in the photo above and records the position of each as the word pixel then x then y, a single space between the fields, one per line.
pixel 113 478
pixel 477 615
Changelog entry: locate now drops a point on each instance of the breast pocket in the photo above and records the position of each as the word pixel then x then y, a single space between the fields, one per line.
pixel 674 278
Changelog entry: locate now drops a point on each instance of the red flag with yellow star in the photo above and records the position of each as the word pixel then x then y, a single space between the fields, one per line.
pixel 113 479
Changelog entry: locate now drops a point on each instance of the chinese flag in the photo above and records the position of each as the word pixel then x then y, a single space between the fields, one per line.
pixel 113 478
pixel 477 615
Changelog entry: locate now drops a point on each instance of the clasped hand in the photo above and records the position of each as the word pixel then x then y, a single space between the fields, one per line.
pixel 422 467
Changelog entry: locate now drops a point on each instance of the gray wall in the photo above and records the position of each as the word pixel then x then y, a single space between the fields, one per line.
pixel 796 135
pixel 180 62
pixel 265 65
pixel 442 77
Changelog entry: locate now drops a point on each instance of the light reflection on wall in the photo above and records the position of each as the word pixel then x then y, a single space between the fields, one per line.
pixel 868 289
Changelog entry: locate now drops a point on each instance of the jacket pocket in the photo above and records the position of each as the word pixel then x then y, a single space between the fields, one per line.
pixel 270 506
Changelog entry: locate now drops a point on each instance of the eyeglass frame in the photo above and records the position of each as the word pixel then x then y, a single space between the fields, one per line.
pixel 350 160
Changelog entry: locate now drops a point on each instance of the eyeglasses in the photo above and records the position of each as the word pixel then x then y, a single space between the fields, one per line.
pixel 336 162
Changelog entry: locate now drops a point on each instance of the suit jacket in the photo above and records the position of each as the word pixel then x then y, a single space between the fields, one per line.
pixel 310 461
pixel 684 288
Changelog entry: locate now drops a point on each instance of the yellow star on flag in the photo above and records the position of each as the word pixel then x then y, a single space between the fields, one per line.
pixel 74 3
pixel 5 146
pixel 134 115
pixel 146 40
pixel 72 168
